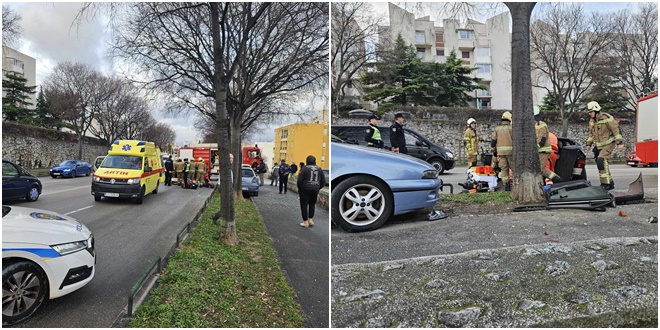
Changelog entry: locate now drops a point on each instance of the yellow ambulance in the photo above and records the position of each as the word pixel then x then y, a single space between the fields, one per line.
pixel 132 169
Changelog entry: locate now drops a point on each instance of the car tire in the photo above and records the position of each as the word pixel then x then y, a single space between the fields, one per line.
pixel 255 194
pixel 97 198
pixel 156 190
pixel 347 194
pixel 32 281
pixel 139 199
pixel 88 173
pixel 438 164
pixel 73 174
pixel 32 194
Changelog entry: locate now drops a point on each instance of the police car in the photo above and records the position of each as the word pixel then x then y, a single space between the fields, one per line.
pixel 45 255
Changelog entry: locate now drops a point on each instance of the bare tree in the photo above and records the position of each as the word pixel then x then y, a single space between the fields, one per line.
pixel 11 28
pixel 566 42
pixel 74 90
pixel 159 133
pixel 353 26
pixel 636 49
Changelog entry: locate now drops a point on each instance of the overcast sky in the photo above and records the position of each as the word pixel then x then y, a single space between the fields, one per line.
pixel 50 37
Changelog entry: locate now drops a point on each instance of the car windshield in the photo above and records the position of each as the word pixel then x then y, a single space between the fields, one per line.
pixel 123 162
pixel 68 163
pixel 247 173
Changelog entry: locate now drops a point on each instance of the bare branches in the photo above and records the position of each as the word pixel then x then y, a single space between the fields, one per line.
pixel 11 28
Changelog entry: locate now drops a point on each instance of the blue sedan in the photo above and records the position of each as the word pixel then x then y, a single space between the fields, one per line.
pixel 249 182
pixel 71 168
pixel 370 185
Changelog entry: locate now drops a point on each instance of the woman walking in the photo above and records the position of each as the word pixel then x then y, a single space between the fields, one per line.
pixel 310 181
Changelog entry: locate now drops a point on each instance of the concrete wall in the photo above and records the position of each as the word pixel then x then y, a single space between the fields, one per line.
pixel 449 133
pixel 39 148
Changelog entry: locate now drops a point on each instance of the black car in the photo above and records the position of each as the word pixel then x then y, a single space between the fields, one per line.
pixel 418 146
pixel 18 183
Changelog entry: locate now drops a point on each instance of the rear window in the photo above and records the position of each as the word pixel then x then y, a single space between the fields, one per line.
pixel 247 173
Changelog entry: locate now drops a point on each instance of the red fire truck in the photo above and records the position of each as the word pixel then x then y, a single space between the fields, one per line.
pixel 251 155
pixel 208 154
pixel 646 133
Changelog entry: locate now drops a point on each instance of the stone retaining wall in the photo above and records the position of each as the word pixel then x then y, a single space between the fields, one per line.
pixel 449 133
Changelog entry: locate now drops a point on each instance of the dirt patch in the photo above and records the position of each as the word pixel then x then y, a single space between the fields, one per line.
pixel 453 208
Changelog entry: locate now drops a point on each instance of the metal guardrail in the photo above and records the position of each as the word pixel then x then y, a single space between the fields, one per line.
pixel 139 283
pixel 451 187
pixel 185 228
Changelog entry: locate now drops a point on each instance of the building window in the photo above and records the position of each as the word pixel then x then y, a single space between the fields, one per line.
pixel 440 51
pixel 420 38
pixel 483 68
pixel 465 34
pixel 421 53
pixel 465 55
pixel 439 37
pixel 483 51
pixel 325 131
pixel 323 145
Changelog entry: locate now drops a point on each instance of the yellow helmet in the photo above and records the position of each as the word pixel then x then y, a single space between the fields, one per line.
pixel 506 115
pixel 593 106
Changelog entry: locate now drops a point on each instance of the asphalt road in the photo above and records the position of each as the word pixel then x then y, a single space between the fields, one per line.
pixel 128 238
pixel 303 253
pixel 622 174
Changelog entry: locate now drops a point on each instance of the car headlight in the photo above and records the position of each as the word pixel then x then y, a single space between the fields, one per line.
pixel 68 248
pixel 430 174
pixel 450 155
pixel 133 181
pixel 97 178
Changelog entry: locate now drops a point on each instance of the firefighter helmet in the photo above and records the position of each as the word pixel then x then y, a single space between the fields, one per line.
pixel 470 121
pixel 593 106
pixel 506 116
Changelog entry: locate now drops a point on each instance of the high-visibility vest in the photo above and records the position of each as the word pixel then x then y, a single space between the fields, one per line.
pixel 375 135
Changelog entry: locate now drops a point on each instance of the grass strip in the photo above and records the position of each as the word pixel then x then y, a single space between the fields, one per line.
pixel 501 197
pixel 210 284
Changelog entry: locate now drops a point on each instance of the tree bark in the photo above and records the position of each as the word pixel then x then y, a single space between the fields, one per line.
pixel 228 233
pixel 527 179
pixel 238 157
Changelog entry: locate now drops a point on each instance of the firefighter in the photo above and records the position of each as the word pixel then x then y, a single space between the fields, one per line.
pixel 504 152
pixel 397 138
pixel 544 147
pixel 604 133
pixel 178 169
pixel 471 142
pixel 373 134
pixel 201 172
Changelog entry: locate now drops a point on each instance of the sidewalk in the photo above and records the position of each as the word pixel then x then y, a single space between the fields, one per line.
pixel 303 253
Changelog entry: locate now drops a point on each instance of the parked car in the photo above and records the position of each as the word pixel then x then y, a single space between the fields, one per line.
pixel 418 146
pixel 45 255
pixel 18 183
pixel 97 163
pixel 364 196
pixel 327 177
pixel 71 168
pixel 249 181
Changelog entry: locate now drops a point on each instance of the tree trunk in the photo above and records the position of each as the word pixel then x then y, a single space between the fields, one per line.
pixel 228 225
pixel 238 157
pixel 80 146
pixel 527 179
pixel 564 127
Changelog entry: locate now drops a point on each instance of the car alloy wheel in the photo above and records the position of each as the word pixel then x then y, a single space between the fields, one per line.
pixel 361 203
pixel 32 194
pixel 24 287
pixel 73 174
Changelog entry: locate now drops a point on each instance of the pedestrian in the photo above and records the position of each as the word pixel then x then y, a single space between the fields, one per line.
pixel 262 168
pixel 275 175
pixel 544 146
pixel 294 169
pixel 218 215
pixel 169 170
pixel 604 132
pixel 178 169
pixel 373 133
pixel 397 137
pixel 310 180
pixel 504 152
pixel 201 172
pixel 471 142
pixel 284 172
pixel 186 172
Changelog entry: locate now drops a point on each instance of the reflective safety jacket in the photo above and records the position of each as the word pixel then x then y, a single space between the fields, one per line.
pixel 193 166
pixel 543 138
pixel 502 137
pixel 471 142
pixel 373 137
pixel 603 131
pixel 201 167
pixel 178 166
pixel 554 143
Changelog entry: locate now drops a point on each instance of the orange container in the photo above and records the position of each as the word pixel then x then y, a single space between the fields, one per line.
pixel 484 170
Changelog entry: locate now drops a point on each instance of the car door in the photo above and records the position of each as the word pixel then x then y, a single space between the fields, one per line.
pixel 150 182
pixel 416 147
pixel 12 185
pixel 80 169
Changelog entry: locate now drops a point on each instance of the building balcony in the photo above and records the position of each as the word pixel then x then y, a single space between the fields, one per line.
pixel 483 59
pixel 483 93
pixel 465 44
pixel 485 76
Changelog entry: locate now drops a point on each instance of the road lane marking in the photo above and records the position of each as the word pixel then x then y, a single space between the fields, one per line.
pixel 74 211
pixel 65 190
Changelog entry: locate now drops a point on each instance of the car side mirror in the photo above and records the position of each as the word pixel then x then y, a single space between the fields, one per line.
pixel 147 169
pixel 418 143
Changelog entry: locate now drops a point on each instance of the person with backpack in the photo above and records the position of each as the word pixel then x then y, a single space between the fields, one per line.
pixel 261 170
pixel 285 170
pixel 310 180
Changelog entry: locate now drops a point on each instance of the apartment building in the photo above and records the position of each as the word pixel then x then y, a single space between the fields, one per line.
pixel 21 65
pixel 485 46
pixel 297 141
